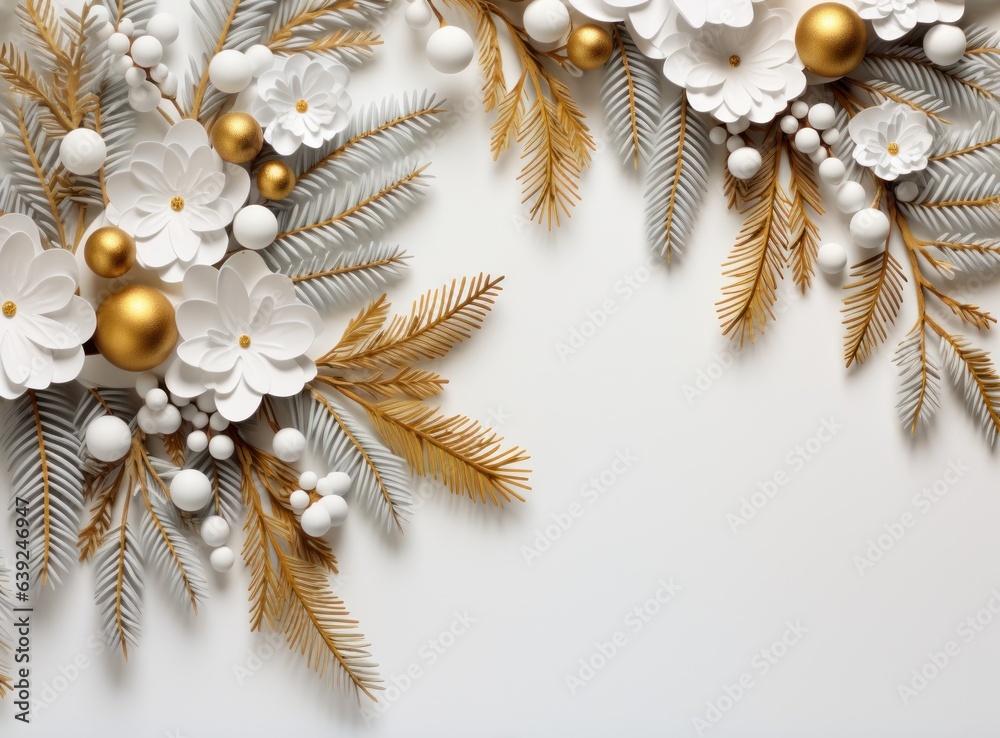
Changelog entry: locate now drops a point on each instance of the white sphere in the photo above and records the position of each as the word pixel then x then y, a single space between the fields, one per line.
pixel 221 447
pixel 164 28
pixel 199 419
pixel 190 490
pixel 545 21
pixel 288 445
pixel 832 170
pixel 308 480
pixel 735 143
pixel 159 72
pixel 126 26
pixel 206 402
pixel 822 116
pixel 156 399
pixel 851 197
pixel 214 530
pixel 819 155
pixel 179 401
pixel 738 126
pixel 418 14
pixel 945 45
pixel 121 65
pixel 450 49
pixel 217 422
pixel 336 508
pixel 222 559
pixel 98 15
pixel 147 51
pixel 744 163
pixel 870 228
pixel 831 136
pixel 832 258
pixel 108 438
pixel 790 124
pixel 197 441
pixel 315 521
pixel 800 108
pixel 168 420
pixel 104 32
pixel 261 59
pixel 718 135
pixel 146 382
pixel 230 71
pixel 907 191
pixel 169 85
pixel 147 421
pixel 299 499
pixel 324 486
pixel 83 151
pixel 118 43
pixel 255 227
pixel 135 76
pixel 807 140
pixel 338 483
pixel 145 98
pixel 188 412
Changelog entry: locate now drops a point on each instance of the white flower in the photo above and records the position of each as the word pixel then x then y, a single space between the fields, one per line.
pixel 176 198
pixel 302 101
pixel 893 19
pixel 43 324
pixel 892 139
pixel 736 73
pixel 244 334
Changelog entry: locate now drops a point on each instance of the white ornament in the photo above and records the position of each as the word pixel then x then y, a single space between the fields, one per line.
pixel 169 86
pixel 418 14
pixel 831 136
pixel 819 156
pixel 188 412
pixel 546 21
pixel 190 490
pixel 108 438
pixel 206 403
pixel 718 135
pixel 822 116
pixel 336 508
pixel 255 227
pixel 450 49
pixel 126 26
pixel 145 98
pixel 221 447
pixel 118 43
pixel 103 33
pixel 738 126
pixel 147 421
pixel 197 441
pixel 135 76
pixel 338 483
pixel 98 14
pixel 744 163
pixel 83 151
pixel 870 228
pixel 790 124
pixel 159 72
pixel 288 445
pixel 832 170
pixel 147 51
pixel 800 109
pixel 315 520
pixel 807 140
pixel 217 423
pixel 735 143
pixel 324 486
pixel 146 382
pixel 163 27
pixel 308 480
pixel 222 559
pixel 214 531
pixel 851 197
pixel 179 401
pixel 230 71
pixel 299 499
pixel 832 258
pixel 945 45
pixel 156 399
pixel 168 420
pixel 907 191
pixel 121 65
pixel 261 59
pixel 199 420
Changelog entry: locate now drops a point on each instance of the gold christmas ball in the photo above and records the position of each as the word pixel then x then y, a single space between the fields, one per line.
pixel 275 180
pixel 237 137
pixel 136 328
pixel 589 46
pixel 831 39
pixel 109 252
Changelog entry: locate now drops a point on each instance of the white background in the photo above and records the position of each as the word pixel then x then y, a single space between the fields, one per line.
pixel 694 457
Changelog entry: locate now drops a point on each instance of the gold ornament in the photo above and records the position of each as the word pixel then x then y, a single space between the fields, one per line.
pixel 109 252
pixel 237 137
pixel 831 39
pixel 589 46
pixel 136 328
pixel 275 180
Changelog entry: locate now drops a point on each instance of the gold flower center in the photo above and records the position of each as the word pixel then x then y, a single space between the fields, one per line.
pixel 735 61
pixel 177 203
pixel 9 308
pixel 302 106
pixel 244 341
pixel 894 148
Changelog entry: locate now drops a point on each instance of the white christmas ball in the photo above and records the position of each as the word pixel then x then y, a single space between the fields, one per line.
pixel 870 228
pixel 121 65
pixel 800 108
pixel 807 140
pixel 255 227
pixel 222 559
pixel 945 45
pixel 159 72
pixel 790 124
pixel 831 136
pixel 197 441
pixel 199 419
pixel 104 32
pixel 190 490
pixel 98 14
pixel 206 402
pixel 147 51
pixel 168 420
pixel 179 401
pixel 145 98
pixel 230 71
pixel 819 155
pixel 718 135
pixel 289 445
pixel 744 163
pixel 188 412
pixel 221 447
pixel 546 21
pixel 822 116
pixel 83 151
pixel 738 126
pixel 418 14
pixel 308 480
pixel 169 85
pixel 108 438
pixel 126 26
pixel 146 382
pixel 315 521
pixel 135 76
pixel 851 197
pixel 118 43
pixel 217 422
pixel 156 399
pixel 324 486
pixel 832 258
pixel 336 508
pixel 163 27
pixel 450 49
pixel 832 170
pixel 147 421
pixel 261 59
pixel 214 530
pixel 299 499
pixel 735 143
pixel 907 191
pixel 338 483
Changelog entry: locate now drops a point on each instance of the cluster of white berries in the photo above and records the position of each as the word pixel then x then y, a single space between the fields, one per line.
pixel 157 415
pixel 945 44
pixel 215 533
pixel 449 49
pixel 330 510
pixel 232 71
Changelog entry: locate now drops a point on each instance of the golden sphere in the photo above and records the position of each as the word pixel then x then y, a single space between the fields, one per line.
pixel 275 180
pixel 831 39
pixel 136 328
pixel 589 46
pixel 109 252
pixel 237 137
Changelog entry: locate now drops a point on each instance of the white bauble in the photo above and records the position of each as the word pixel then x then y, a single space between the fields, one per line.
pixel 206 402
pixel 418 14
pixel 214 531
pixel 790 125
pixel 945 45
pixel 159 72
pixel 169 85
pixel 222 559
pixel 831 136
pixel 289 445
pixel 261 59
pixel 324 486
pixel 299 499
pixel 907 191
pixel 546 21
pixel 98 15
pixel 147 51
pixel 126 26
pixel 807 140
pixel 135 76
pixel 230 71
pixel 199 420
pixel 168 420
pixel 121 65
pixel 870 228
pixel 156 399
pixel 718 135
pixel 450 49
pixel 190 490
pixel 822 116
pixel 738 126
pixel 308 480
pixel 832 170
pixel 338 483
pixel 145 98
pixel 118 43
pixel 800 109
pixel 851 197
pixel 188 412
pixel 83 151
pixel 832 258
pixel 221 447
pixel 108 438
pixel 197 441
pixel 336 508
pixel 744 163
pixel 104 32
pixel 217 422
pixel 146 382
pixel 179 401
pixel 819 155
pixel 315 521
pixel 163 27
pixel 735 143
pixel 147 421
pixel 255 227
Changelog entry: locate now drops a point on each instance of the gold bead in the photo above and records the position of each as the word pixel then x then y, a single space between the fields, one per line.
pixel 244 341
pixel 831 39
pixel 302 106
pixel 177 203
pixel 275 180
pixel 589 46
pixel 109 252
pixel 894 149
pixel 9 308
pixel 735 61
pixel 136 328
pixel 237 137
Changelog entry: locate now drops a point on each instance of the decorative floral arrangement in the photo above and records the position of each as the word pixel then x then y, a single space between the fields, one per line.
pixel 161 299
pixel 885 109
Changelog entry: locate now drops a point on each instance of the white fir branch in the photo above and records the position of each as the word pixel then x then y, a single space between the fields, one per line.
pixel 119 124
pixel 137 11
pixel 925 101
pixel 631 95
pixel 844 148
pixel 973 373
pixel 909 67
pixel 919 380
pixel 986 64
pixel 118 591
pixel 963 202
pixel 968 253
pixel 338 14
pixel 967 150
pixel 226 478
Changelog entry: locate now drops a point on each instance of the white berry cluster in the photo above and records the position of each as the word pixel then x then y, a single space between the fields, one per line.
pixel 215 533
pixel 157 415
pixel 232 71
pixel 449 48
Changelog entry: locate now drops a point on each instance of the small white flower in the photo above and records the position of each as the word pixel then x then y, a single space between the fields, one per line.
pixel 177 198
pixel 736 73
pixel 244 334
pixel 302 101
pixel 891 139
pixel 43 324
pixel 893 19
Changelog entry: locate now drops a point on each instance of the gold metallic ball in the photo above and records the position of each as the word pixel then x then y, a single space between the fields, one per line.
pixel 237 137
pixel 589 46
pixel 831 39
pixel 275 180
pixel 109 252
pixel 136 328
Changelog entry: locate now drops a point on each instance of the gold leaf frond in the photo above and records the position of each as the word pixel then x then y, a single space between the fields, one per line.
pixel 361 327
pixel 103 489
pixel 17 70
pixel 417 384
pixel 510 114
pixel 805 198
pixel 876 292
pixel 361 41
pixel 175 445
pixel 490 59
